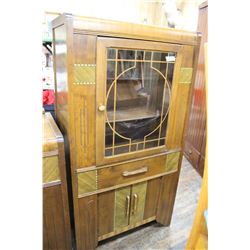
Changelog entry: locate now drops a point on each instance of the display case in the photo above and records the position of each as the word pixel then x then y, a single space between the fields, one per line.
pixel 122 98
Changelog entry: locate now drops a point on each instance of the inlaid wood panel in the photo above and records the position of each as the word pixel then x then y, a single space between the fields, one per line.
pixel 152 196
pixel 87 182
pixel 172 161
pixel 50 169
pixel 138 197
pixel 84 74
pixel 122 207
pixel 106 205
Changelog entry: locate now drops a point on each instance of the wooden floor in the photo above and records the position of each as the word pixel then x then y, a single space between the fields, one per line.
pixel 155 236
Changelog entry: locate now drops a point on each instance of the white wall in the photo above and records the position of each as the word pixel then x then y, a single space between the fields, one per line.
pixel 137 11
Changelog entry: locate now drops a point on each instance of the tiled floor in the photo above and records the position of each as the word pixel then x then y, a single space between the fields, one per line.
pixel 155 236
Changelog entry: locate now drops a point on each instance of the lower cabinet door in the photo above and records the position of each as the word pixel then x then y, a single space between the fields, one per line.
pixel 138 196
pixel 122 207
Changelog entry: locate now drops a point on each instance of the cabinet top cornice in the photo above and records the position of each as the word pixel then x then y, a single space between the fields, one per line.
pixel 111 28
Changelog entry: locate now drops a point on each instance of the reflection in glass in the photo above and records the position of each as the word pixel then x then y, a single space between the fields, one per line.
pixel 138 92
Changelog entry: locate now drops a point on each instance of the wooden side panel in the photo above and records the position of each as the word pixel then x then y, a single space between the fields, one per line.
pixel 106 205
pixel 84 99
pixel 180 99
pixel 122 205
pixel 167 198
pixel 138 197
pixel 195 139
pixel 61 75
pixel 54 232
pixel 152 196
pixel 50 169
pixel 88 222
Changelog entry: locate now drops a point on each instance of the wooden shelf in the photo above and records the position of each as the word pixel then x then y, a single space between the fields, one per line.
pixel 132 114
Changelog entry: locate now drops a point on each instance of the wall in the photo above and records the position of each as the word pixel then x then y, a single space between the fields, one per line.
pixel 152 12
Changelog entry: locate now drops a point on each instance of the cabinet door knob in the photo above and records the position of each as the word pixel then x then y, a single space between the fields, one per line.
pixel 101 108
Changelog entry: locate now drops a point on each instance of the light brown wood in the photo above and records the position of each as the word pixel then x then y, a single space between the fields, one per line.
pixel 167 196
pixel 102 45
pixel 106 203
pixel 122 207
pixel 125 184
pixel 103 237
pixel 88 222
pixel 112 176
pixel 56 222
pixel 178 109
pixel 104 27
pixel 196 135
pixel 50 169
pixel 77 102
pixel 138 195
pixel 152 196
pixel 199 232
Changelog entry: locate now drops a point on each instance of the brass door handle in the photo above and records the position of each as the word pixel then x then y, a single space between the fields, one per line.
pixel 127 205
pixel 137 171
pixel 101 108
pixel 135 202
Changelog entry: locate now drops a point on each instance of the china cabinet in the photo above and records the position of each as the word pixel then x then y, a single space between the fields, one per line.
pixel 122 97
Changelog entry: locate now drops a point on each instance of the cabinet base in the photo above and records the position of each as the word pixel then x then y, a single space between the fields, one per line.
pixel 124 229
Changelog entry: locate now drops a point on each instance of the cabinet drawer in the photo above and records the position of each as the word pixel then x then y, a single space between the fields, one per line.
pixel 137 170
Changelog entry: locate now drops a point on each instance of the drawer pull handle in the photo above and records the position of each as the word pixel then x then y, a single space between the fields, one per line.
pixel 137 171
pixel 127 205
pixel 135 202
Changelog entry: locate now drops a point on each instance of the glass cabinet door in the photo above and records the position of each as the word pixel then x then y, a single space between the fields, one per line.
pixel 136 97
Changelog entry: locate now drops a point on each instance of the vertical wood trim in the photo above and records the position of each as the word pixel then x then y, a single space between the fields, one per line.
pixel 180 103
pixel 84 100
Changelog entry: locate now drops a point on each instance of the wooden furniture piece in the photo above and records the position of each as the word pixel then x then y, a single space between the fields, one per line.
pixel 122 97
pixel 198 238
pixel 195 144
pixel 56 221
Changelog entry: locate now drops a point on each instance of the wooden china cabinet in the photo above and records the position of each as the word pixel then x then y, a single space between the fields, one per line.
pixel 122 98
